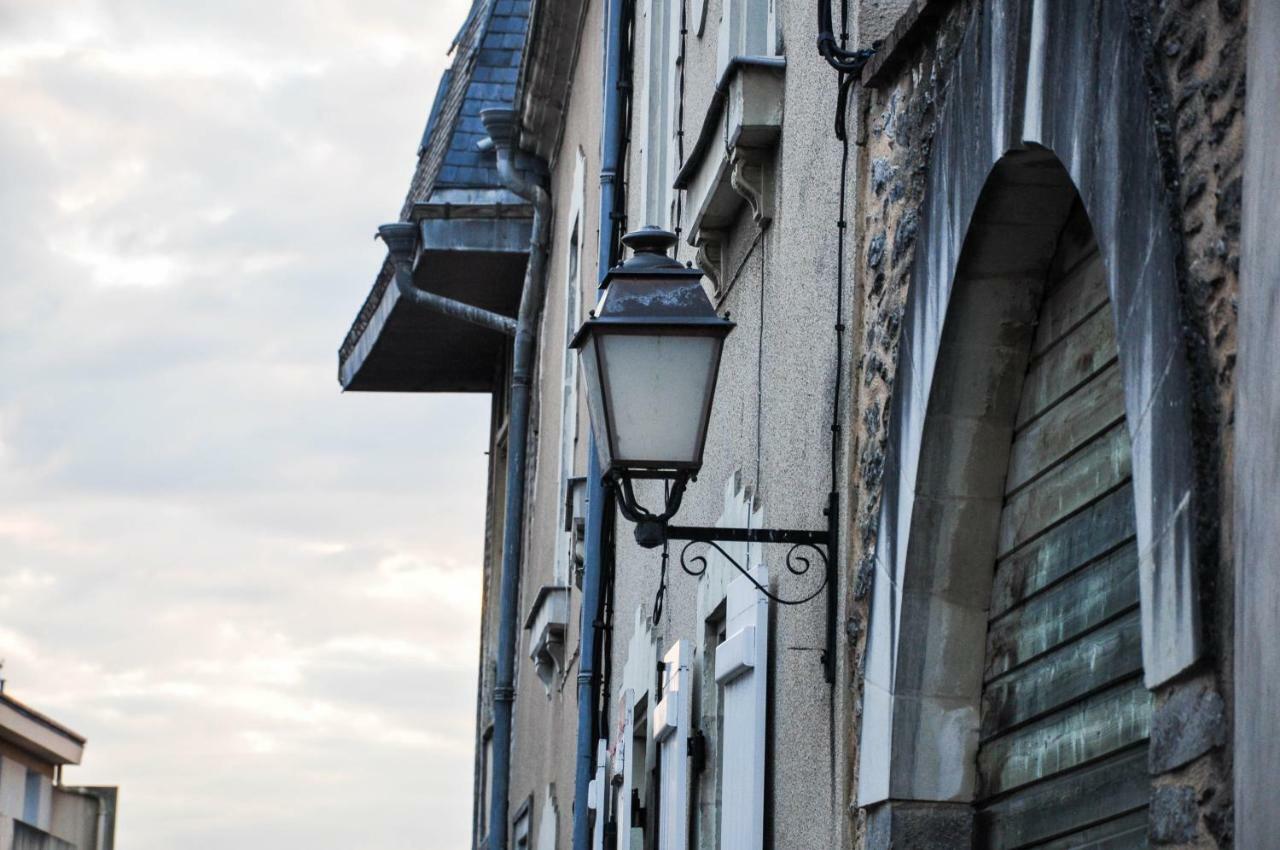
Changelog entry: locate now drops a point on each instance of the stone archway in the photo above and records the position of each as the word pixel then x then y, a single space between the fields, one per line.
pixel 1007 112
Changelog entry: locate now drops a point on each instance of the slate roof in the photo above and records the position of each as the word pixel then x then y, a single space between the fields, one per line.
pixel 485 68
pixel 487 53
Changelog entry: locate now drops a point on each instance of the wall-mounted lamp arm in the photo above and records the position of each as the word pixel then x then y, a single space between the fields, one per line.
pixel 652 531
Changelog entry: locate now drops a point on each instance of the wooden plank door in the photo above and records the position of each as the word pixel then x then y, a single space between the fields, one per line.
pixel 1065 717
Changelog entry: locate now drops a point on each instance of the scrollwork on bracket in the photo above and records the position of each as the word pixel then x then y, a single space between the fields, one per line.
pixel 751 178
pixel 710 255
pixel 796 562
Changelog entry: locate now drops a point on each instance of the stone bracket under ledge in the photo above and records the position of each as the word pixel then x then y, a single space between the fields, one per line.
pixel 547 621
pixel 732 162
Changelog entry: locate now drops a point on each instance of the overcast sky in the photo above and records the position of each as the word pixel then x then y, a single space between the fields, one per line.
pixel 256 597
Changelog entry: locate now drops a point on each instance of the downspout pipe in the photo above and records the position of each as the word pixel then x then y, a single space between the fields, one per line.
pixel 503 128
pixel 589 680
pixel 402 246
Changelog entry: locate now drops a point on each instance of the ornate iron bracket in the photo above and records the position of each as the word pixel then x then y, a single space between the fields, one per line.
pixel 653 531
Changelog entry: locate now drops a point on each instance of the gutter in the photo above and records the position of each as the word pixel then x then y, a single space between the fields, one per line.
pixel 402 246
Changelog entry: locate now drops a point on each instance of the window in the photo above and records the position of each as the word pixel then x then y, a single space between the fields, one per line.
pixel 662 23
pixel 629 784
pixel 747 28
pixel 569 398
pixel 521 828
pixel 742 676
pixel 31 805
pixel 548 822
pixel 671 730
pixel 636 769
pixel 486 762
pixel 712 726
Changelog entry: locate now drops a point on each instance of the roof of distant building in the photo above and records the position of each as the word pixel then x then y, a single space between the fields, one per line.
pixel 33 732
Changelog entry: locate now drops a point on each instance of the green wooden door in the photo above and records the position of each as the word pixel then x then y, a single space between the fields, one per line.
pixel 1063 752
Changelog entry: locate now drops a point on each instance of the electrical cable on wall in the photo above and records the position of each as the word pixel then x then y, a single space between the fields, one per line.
pixel 759 386
pixel 680 61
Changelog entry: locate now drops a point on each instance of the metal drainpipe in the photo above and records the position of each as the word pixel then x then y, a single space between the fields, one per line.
pixel 589 684
pixel 402 245
pixel 102 823
pixel 502 127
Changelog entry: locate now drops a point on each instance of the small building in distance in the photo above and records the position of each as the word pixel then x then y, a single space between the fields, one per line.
pixel 38 812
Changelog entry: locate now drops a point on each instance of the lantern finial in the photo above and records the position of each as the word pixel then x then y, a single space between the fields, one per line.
pixel 650 239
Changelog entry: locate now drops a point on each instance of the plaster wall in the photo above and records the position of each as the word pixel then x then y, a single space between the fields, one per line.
pixel 13 787
pixel 75 819
pixel 1257 730
pixel 545 726
pixel 770 426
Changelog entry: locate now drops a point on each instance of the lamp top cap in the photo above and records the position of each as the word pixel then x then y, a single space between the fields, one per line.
pixel 650 239
pixel 649 246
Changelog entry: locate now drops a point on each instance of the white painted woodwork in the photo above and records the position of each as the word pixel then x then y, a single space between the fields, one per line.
pixel 742 671
pixel 598 795
pixel 671 730
pixel 569 370
pixel 641 659
pixel 742 509
pixel 620 767
pixel 549 824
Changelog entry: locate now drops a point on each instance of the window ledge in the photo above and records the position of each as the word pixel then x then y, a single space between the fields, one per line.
pixel 732 162
pixel 547 621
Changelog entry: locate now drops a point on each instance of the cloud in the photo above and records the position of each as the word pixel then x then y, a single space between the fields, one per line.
pixel 252 596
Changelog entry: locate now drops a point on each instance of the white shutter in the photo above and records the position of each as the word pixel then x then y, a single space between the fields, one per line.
pixel 598 795
pixel 742 671
pixel 671 721
pixel 622 767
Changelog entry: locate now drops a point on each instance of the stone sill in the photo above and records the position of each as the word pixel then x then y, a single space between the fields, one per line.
pixel 731 163
pixel 915 24
pixel 548 621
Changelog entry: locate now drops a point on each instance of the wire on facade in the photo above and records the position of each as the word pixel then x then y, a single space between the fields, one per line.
pixel 759 381
pixel 842 225
pixel 659 598
pixel 684 30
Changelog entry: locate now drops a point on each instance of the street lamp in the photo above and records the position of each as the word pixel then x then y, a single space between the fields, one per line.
pixel 650 356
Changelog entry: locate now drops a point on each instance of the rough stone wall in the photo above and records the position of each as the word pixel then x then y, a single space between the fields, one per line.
pixel 1196 58
pixel 1195 68
pixel 896 126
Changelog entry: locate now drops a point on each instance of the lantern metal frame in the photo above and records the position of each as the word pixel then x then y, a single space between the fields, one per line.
pixel 653 528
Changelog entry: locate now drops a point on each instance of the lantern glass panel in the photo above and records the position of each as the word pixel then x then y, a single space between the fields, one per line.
pixel 589 360
pixel 658 389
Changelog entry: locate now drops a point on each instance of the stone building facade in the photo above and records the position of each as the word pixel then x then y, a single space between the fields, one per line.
pixel 996 294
